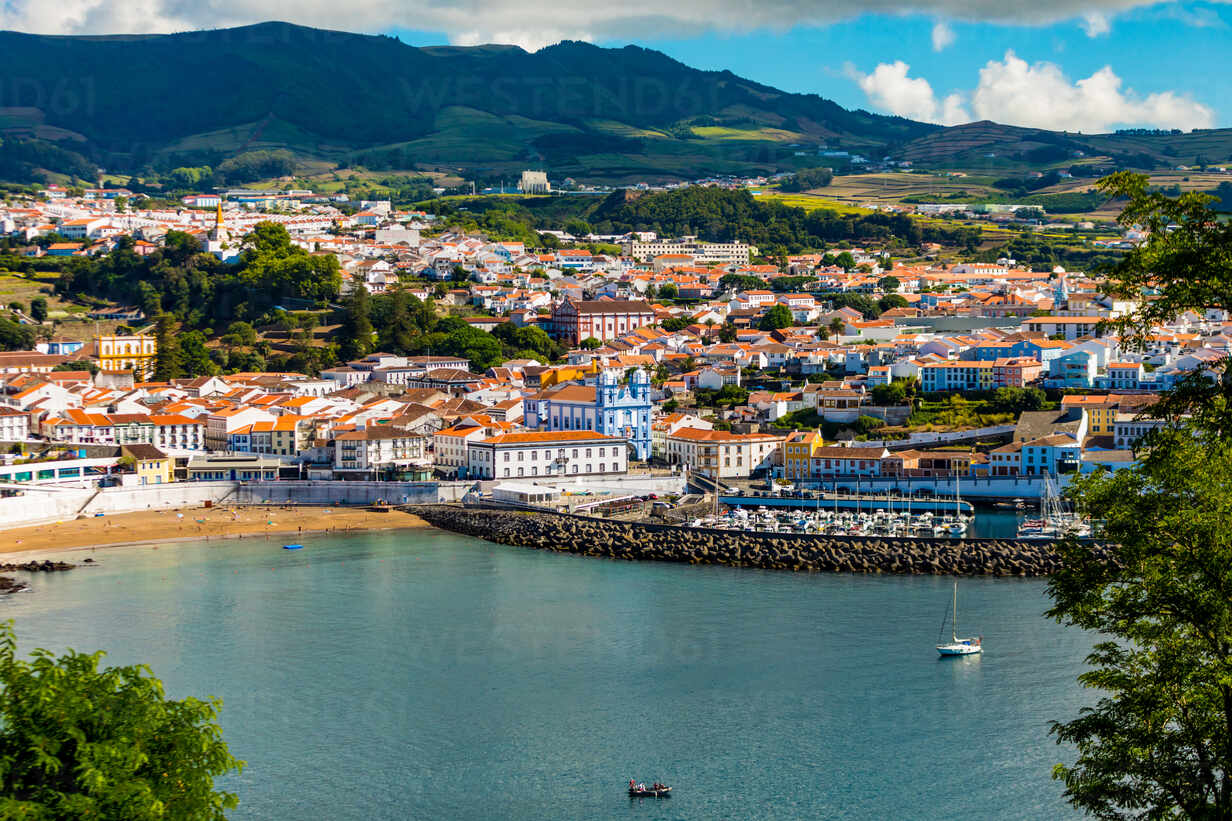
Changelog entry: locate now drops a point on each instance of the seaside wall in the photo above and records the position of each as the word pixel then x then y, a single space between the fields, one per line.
pixel 325 493
pixel 45 506
pixel 779 551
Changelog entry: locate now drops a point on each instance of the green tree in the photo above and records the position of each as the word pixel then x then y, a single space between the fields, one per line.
pixel 1158 742
pixel 675 323
pixel 244 333
pixel 778 316
pixel 38 309
pixel 858 302
pixel 888 284
pixel 589 344
pixel 356 331
pixel 837 326
pixel 727 332
pixel 14 336
pixel 167 361
pixel 195 356
pixel 740 282
pixel 80 742
pixel 398 334
pixel 895 393
pixel 668 290
pixel 1186 265
pixel 891 301
pixel 1017 400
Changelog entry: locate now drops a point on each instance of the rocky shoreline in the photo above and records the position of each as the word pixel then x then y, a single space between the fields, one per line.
pixel 10 585
pixel 45 566
pixel 773 551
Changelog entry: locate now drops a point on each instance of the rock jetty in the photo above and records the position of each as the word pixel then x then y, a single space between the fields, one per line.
pixel 45 566
pixel 590 536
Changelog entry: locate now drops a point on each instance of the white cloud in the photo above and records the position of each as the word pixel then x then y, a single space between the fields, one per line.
pixel 943 36
pixel 531 24
pixel 1095 24
pixel 1015 92
pixel 890 89
pixel 1041 96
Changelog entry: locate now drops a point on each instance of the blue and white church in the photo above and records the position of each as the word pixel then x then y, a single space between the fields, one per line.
pixel 609 408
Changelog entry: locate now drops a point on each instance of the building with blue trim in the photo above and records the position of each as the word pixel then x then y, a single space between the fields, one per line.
pixel 609 408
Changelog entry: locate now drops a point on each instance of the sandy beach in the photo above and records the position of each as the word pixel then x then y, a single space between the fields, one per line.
pixel 197 523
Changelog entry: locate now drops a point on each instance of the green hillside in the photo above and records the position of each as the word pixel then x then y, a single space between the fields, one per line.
pixel 199 97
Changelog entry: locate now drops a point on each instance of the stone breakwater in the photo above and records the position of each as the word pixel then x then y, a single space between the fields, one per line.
pixel 776 551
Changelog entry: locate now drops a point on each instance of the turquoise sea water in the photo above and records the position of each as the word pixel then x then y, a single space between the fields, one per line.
pixel 420 674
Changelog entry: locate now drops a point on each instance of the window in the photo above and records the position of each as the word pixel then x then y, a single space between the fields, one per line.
pixel 588 452
pixel 603 451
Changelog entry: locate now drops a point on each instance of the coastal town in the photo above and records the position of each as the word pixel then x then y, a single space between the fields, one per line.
pixel 537 410
pixel 670 356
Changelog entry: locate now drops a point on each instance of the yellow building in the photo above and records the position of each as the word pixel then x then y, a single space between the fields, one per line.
pixel 1100 410
pixel 568 373
pixel 798 451
pixel 153 467
pixel 127 353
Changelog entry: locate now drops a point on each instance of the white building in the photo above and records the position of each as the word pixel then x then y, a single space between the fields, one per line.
pixel 703 253
pixel 716 452
pixel 374 449
pixel 534 182
pixel 556 453
pixel 14 425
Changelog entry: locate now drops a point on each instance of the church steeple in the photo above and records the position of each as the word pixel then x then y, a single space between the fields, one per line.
pixel 219 233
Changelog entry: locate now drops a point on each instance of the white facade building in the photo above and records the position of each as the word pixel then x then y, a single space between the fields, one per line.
pixel 556 453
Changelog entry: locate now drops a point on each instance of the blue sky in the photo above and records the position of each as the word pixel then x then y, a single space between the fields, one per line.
pixel 1151 50
pixel 1085 65
pixel 1177 48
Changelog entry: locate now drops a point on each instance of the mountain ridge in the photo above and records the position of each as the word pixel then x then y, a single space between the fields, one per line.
pixel 594 113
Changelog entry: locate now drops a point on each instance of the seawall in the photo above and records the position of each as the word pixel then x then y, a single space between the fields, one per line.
pixel 590 536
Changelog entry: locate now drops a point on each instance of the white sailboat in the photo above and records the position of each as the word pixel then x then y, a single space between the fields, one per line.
pixel 957 646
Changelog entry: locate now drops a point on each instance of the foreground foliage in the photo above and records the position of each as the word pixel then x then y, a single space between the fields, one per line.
pixel 1158 743
pixel 77 742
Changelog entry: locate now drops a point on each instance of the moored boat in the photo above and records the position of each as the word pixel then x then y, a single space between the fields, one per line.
pixel 957 646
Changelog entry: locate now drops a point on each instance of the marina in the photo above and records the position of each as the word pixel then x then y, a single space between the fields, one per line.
pixel 855 522
pixel 838 514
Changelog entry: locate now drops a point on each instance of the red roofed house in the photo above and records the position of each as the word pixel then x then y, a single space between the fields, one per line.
pixel 601 319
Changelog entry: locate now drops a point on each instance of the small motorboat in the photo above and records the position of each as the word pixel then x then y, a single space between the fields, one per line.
pixel 292 547
pixel 662 792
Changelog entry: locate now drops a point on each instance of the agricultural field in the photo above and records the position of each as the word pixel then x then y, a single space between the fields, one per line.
pixel 810 202
pixel 892 187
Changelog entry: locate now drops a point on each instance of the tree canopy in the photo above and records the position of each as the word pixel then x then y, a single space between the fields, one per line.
pixel 1157 744
pixel 77 741
pixel 778 316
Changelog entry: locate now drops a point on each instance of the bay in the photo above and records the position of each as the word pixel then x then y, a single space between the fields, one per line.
pixel 421 674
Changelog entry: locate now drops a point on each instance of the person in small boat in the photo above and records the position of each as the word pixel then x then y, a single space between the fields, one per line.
pixel 632 784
